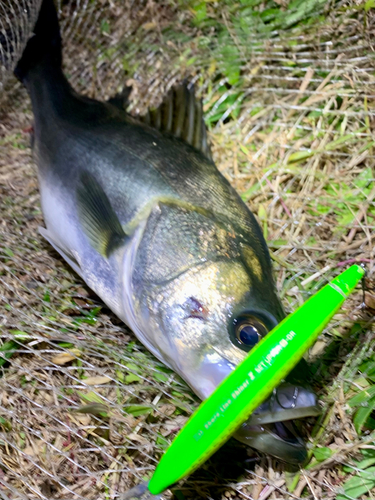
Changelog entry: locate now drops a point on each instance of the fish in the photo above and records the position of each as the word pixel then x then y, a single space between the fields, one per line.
pixel 138 209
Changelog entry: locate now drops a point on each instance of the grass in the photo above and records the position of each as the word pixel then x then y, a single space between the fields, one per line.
pixel 288 98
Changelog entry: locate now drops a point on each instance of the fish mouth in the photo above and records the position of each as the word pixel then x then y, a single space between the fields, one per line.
pixel 279 439
pixel 270 428
pixel 287 402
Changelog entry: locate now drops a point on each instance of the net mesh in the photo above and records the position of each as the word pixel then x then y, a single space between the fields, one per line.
pixel 17 19
pixel 288 94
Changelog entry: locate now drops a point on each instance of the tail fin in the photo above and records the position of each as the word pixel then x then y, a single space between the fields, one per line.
pixel 45 44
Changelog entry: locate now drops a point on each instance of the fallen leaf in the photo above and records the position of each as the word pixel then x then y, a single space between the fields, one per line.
pixel 173 426
pixel 140 439
pixel 29 451
pixel 318 348
pixel 370 300
pixel 93 409
pixel 149 26
pixel 99 380
pixel 83 419
pixel 66 357
pixel 167 409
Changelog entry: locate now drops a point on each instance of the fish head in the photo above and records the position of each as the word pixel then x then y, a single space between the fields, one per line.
pixel 209 300
pixel 208 331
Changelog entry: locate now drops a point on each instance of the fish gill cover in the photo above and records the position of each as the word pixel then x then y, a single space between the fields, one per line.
pixel 288 90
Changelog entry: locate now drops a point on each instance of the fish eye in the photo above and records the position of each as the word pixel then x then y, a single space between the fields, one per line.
pixel 248 334
pixel 248 331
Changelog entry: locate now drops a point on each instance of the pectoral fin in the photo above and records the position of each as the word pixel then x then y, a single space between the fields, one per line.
pixel 70 259
pixel 99 221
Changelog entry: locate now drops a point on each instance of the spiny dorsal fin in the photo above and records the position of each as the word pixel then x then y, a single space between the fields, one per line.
pixel 121 100
pixel 99 221
pixel 181 115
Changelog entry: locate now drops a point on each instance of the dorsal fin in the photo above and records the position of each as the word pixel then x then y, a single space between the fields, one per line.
pixel 181 115
pixel 121 99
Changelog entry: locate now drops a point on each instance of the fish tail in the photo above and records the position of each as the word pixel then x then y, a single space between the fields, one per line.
pixel 44 47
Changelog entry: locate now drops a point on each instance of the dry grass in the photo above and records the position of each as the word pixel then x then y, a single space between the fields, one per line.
pixel 291 115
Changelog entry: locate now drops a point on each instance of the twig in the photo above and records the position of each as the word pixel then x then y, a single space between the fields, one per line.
pixel 360 214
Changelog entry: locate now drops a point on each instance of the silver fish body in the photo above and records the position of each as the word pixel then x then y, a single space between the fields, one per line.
pixel 150 224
